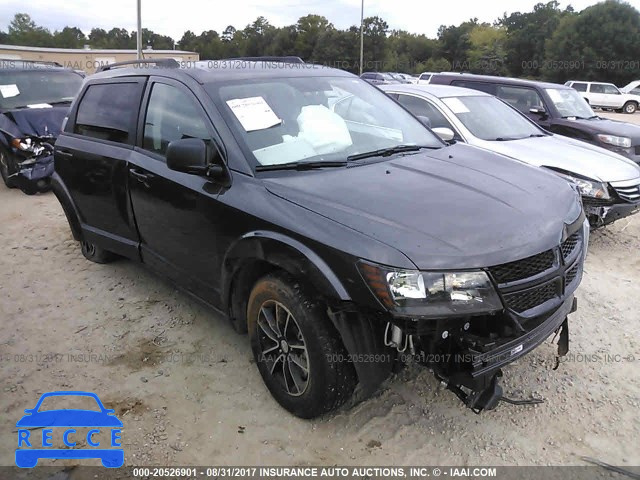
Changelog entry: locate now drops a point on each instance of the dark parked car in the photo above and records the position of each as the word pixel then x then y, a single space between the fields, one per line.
pixel 557 108
pixel 377 78
pixel 34 99
pixel 342 240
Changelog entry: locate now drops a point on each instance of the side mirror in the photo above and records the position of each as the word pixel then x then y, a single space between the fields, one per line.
pixel 446 134
pixel 538 111
pixel 426 121
pixel 190 155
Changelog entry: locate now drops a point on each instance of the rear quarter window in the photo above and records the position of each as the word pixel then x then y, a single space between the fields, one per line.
pixel 581 87
pixel 108 111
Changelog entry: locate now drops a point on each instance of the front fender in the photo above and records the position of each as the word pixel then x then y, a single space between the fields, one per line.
pixel 286 253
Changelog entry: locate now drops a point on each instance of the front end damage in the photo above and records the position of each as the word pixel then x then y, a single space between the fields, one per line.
pixel 33 164
pixel 623 200
pixel 467 352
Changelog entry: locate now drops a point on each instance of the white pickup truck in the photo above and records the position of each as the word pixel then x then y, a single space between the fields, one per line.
pixel 606 95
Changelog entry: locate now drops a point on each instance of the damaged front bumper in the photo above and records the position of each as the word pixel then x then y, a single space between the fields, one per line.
pixel 33 175
pixel 601 215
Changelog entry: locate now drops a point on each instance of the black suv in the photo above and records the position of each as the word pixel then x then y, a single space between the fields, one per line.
pixel 319 215
pixel 557 108
pixel 34 99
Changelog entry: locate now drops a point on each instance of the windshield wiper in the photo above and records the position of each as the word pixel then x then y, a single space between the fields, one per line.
pixel 537 135
pixel 59 102
pixel 300 166
pixel 506 139
pixel 577 117
pixel 385 152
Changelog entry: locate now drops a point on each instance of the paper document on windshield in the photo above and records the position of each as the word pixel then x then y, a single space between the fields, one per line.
pixel 8 91
pixel 39 105
pixel 555 95
pixel 456 105
pixel 253 113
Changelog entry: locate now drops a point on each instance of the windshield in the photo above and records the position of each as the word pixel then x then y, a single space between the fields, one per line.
pixel 488 118
pixel 570 103
pixel 37 88
pixel 316 119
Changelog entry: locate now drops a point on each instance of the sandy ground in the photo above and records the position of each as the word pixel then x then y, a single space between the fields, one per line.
pixel 186 388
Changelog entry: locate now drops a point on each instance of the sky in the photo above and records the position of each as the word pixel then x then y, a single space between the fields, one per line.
pixel 173 18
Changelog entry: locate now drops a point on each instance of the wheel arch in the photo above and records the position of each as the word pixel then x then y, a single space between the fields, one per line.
pixel 68 206
pixel 258 253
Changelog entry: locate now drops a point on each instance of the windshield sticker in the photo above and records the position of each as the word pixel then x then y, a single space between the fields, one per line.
pixel 39 105
pixel 555 95
pixel 456 105
pixel 253 113
pixel 8 91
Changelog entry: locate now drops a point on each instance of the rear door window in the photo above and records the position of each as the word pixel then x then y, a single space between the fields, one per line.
pixel 597 88
pixel 108 111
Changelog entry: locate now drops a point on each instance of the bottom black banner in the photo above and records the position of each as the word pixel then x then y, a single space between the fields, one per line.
pixel 333 472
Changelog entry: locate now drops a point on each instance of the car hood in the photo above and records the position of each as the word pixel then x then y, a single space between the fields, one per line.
pixel 604 125
pixel 567 154
pixel 33 121
pixel 456 207
pixel 69 418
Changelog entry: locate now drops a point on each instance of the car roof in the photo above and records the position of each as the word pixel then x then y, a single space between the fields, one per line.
pixel 438 91
pixel 502 80
pixel 207 71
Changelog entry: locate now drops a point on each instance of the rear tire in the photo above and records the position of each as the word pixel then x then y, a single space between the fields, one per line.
pixel 95 253
pixel 630 107
pixel 6 168
pixel 297 349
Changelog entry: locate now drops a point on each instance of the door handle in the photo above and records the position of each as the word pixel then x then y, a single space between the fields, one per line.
pixel 64 153
pixel 139 176
pixel 143 178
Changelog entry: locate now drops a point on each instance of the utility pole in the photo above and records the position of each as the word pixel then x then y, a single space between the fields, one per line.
pixel 361 36
pixel 139 38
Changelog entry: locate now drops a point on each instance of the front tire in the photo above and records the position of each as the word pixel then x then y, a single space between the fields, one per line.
pixel 6 168
pixel 297 349
pixel 630 107
pixel 95 253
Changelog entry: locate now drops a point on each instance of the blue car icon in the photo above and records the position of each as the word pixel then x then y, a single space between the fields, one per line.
pixel 68 419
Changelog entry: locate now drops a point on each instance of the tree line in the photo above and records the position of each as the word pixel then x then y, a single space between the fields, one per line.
pixel 601 42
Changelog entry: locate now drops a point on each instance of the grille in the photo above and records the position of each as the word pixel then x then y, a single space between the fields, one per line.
pixel 527 299
pixel 630 193
pixel 569 245
pixel 521 269
pixel 541 277
pixel 571 275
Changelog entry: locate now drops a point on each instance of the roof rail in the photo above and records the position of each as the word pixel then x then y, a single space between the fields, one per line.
pixel 159 62
pixel 38 62
pixel 285 59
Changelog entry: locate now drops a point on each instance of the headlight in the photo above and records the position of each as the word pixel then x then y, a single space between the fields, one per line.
pixel 587 188
pixel 432 293
pixel 624 142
